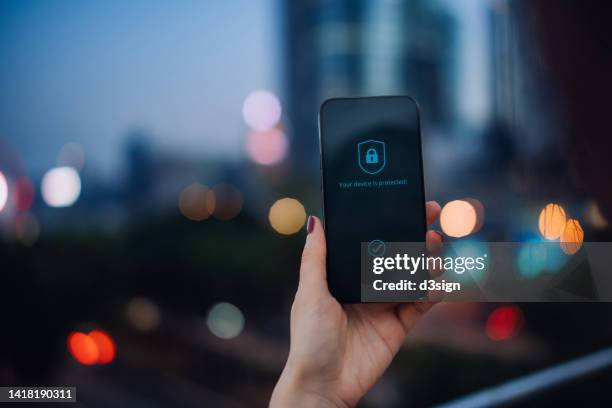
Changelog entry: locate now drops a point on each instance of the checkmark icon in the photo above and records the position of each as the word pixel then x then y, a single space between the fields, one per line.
pixel 377 247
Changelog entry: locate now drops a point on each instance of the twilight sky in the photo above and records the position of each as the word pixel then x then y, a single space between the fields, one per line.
pixel 89 71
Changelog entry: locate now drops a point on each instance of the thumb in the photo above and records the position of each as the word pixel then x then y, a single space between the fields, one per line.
pixel 313 271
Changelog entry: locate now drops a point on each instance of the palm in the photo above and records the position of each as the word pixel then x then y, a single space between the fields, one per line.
pixel 339 351
pixel 368 337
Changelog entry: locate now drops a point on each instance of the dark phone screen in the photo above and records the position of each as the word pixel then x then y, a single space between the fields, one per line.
pixel 372 182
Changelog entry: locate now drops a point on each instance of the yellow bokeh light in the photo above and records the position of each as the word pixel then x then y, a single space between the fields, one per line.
pixel 552 221
pixel 458 218
pixel 143 314
pixel 572 237
pixel 196 202
pixel 287 216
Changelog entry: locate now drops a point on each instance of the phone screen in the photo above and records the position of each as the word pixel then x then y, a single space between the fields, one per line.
pixel 372 182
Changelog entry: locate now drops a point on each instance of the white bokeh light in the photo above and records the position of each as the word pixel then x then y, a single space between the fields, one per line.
pixel 261 110
pixel 3 191
pixel 61 187
pixel 225 320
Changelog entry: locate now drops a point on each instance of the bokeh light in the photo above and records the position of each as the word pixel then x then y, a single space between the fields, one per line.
pixel 267 147
pixel 83 348
pixel 593 215
pixel 105 344
pixel 23 193
pixel 225 320
pixel 532 259
pixel 71 155
pixel 27 228
pixel 572 237
pixel 3 191
pixel 504 323
pixel 143 314
pixel 458 218
pixel 471 248
pixel 261 110
pixel 196 202
pixel 61 187
pixel 555 258
pixel 552 221
pixel 287 216
pixel 228 201
pixel 480 213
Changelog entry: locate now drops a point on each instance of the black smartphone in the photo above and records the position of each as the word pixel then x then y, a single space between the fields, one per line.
pixel 373 192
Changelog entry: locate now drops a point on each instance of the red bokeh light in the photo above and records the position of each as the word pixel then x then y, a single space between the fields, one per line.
pixel 83 348
pixel 92 348
pixel 106 346
pixel 24 193
pixel 504 322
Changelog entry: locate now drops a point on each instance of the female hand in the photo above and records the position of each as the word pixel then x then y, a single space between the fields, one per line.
pixel 339 351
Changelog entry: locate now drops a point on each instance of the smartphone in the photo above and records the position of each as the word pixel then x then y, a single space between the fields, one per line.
pixel 372 182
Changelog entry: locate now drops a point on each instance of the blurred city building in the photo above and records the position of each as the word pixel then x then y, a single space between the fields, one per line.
pixel 354 48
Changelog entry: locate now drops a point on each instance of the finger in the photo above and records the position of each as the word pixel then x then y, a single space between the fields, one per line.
pixel 409 313
pixel 434 241
pixel 313 270
pixel 432 209
pixel 436 296
pixel 435 245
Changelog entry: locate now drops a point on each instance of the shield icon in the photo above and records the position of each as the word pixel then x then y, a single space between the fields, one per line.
pixel 371 156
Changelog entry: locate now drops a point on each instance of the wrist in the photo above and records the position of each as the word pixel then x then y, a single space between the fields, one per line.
pixel 295 390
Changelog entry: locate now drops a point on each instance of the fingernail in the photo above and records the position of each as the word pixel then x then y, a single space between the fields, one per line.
pixel 440 234
pixel 310 224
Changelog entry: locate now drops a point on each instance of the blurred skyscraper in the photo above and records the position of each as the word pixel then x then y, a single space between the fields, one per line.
pixel 362 48
pixel 140 170
pixel 520 85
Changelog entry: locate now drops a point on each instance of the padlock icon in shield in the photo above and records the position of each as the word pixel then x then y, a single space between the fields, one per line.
pixel 371 156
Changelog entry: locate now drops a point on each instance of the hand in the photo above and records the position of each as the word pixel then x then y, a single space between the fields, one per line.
pixel 339 351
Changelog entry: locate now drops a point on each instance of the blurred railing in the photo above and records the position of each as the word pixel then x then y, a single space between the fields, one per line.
pixel 536 383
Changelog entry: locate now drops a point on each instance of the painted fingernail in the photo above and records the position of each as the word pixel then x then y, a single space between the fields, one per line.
pixel 310 224
pixel 440 235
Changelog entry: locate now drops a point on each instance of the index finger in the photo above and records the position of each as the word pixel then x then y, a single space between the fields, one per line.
pixel 432 211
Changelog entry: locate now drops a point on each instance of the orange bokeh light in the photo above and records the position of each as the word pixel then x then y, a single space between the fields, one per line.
pixel 572 237
pixel 552 221
pixel 287 216
pixel 228 201
pixel 459 218
pixel 196 202
pixel 83 348
pixel 105 344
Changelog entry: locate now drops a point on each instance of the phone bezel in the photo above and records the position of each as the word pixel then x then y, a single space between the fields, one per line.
pixel 322 164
